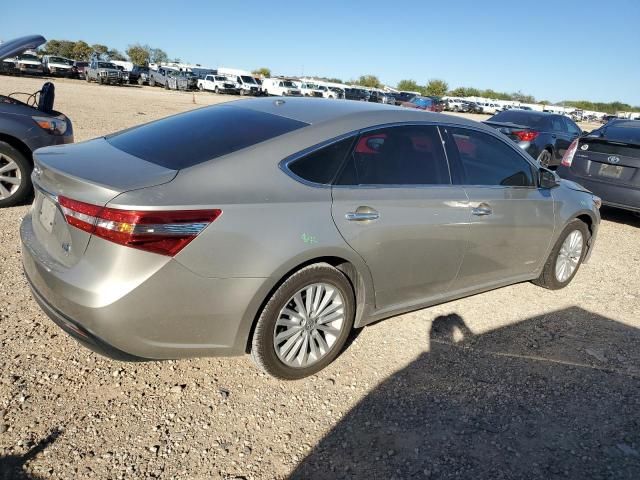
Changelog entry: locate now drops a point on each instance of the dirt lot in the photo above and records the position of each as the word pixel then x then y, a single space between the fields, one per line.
pixel 515 383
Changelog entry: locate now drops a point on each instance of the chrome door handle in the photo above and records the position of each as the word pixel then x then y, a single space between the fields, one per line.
pixel 361 216
pixel 482 210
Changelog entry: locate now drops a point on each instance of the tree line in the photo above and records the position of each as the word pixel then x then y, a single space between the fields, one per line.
pixel 141 54
pixel 80 50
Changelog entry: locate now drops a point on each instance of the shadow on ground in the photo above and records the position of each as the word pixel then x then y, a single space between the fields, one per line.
pixel 555 396
pixel 12 467
pixel 620 216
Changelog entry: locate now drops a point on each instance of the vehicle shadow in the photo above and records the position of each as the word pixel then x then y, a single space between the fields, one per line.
pixel 554 396
pixel 620 216
pixel 12 467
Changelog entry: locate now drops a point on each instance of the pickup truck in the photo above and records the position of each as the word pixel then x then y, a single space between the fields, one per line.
pixel 159 77
pixel 218 84
pixel 105 73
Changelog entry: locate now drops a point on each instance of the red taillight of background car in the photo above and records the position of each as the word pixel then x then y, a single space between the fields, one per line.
pixel 163 232
pixel 567 158
pixel 526 135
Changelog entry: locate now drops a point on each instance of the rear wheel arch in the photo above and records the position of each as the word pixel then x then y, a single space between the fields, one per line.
pixel 356 278
pixel 18 145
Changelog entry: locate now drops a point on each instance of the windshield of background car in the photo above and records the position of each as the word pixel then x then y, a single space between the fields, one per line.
pixel 522 117
pixel 106 65
pixel 27 56
pixel 187 139
pixel 65 61
pixel 247 79
pixel 623 131
pixel 289 84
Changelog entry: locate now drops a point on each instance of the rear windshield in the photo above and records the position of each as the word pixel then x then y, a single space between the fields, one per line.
pixel 188 139
pixel 522 117
pixel 622 131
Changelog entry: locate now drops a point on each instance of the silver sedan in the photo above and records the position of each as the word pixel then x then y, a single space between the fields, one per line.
pixel 276 226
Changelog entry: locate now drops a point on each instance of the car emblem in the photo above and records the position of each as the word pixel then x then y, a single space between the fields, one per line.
pixel 613 159
pixel 585 146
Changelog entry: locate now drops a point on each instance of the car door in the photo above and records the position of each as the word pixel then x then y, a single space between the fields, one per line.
pixel 395 205
pixel 511 219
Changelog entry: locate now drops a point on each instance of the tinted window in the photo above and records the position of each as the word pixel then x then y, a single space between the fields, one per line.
pixel 485 160
pixel 194 137
pixel 558 124
pixel 397 156
pixel 322 165
pixel 572 127
pixel 622 131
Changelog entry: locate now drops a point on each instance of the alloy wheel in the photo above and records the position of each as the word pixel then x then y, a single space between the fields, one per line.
pixel 309 325
pixel 569 256
pixel 10 176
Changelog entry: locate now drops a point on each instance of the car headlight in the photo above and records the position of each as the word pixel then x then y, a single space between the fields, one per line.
pixel 54 126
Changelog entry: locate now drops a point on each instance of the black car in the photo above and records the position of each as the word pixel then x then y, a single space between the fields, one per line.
pixel 139 75
pixel 607 162
pixel 473 107
pixel 545 136
pixel 356 94
pixel 25 126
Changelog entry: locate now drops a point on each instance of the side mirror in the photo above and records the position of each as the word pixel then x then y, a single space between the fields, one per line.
pixel 548 179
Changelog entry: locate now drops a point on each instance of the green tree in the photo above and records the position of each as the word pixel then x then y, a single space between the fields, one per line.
pixel 139 54
pixel 62 48
pixel 81 51
pixel 100 50
pixel 262 72
pixel 436 88
pixel 158 55
pixel 370 81
pixel 408 86
pixel 115 54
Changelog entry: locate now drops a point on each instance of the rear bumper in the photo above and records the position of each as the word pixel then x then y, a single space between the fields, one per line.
pixel 618 196
pixel 134 305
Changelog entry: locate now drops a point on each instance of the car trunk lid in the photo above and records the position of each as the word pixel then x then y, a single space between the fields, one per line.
pixel 509 129
pixel 93 172
pixel 607 160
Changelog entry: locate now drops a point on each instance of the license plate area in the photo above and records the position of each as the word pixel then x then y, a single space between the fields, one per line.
pixel 47 214
pixel 610 171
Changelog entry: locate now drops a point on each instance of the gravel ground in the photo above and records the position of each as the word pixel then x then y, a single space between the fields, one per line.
pixel 515 383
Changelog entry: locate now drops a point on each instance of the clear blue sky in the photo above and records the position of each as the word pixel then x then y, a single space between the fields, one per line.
pixel 554 50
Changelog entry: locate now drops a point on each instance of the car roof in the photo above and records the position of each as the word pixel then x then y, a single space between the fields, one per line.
pixel 353 115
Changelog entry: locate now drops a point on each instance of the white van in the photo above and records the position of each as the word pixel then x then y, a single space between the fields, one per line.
pixel 248 84
pixel 55 65
pixel 280 87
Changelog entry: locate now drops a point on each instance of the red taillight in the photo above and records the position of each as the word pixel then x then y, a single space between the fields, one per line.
pixel 164 232
pixel 526 135
pixel 567 158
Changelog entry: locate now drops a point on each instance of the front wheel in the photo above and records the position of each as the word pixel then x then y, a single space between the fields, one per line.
pixel 216 90
pixel 305 323
pixel 152 82
pixel 566 257
pixel 15 169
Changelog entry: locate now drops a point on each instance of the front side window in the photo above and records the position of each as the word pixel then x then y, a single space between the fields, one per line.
pixel 572 127
pixel 486 160
pixel 407 155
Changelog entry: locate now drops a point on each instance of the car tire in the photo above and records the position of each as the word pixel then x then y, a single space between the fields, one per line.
pixel 152 82
pixel 562 250
pixel 263 342
pixel 215 90
pixel 545 158
pixel 11 156
pixel 86 77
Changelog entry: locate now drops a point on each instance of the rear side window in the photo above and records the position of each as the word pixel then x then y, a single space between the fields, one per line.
pixel 322 165
pixel 485 160
pixel 410 155
pixel 523 117
pixel 194 137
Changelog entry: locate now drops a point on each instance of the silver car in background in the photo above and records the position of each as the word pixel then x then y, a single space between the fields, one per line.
pixel 276 226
